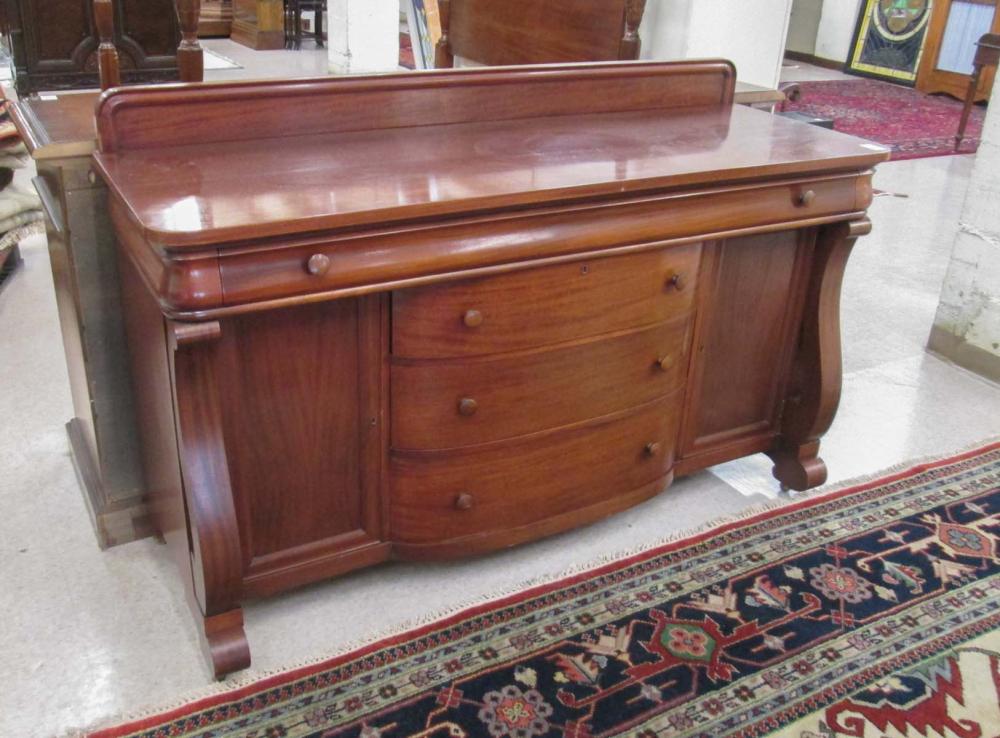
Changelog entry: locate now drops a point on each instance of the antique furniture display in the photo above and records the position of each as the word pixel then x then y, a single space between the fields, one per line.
pixel 535 32
pixel 436 314
pixel 259 24
pixel 948 62
pixel 58 130
pixel 54 45
pixel 987 57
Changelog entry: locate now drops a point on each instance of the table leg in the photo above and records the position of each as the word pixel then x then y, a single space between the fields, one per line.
pixel 970 98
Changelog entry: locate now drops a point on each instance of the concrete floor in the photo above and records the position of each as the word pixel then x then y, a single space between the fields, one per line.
pixel 308 61
pixel 87 634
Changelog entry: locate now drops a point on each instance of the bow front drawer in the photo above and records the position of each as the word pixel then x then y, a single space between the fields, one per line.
pixel 539 307
pixel 441 496
pixel 462 402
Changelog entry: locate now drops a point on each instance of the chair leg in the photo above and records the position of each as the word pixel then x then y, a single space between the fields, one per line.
pixel 288 24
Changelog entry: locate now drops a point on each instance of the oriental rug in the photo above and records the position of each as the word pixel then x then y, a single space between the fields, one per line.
pixel 912 124
pixel 868 611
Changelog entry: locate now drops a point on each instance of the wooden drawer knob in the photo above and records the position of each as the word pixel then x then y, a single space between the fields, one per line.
pixel 472 318
pixel 318 264
pixel 666 363
pixel 463 501
pixel 676 282
pixel 652 448
pixel 806 198
pixel 467 406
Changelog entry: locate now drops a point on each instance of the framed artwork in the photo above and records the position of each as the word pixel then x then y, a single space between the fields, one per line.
pixel 424 20
pixel 889 39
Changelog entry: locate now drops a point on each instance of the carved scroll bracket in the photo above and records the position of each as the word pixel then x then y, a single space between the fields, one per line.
pixel 216 559
pixel 814 390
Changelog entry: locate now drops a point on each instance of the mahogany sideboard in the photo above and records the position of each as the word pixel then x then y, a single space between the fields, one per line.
pixel 435 314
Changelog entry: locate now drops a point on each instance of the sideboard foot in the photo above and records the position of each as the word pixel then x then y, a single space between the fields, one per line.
pixel 798 467
pixel 226 642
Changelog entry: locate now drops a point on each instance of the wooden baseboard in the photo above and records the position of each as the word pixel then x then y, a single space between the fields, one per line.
pixel 214 28
pixel 958 351
pixel 815 60
pixel 216 19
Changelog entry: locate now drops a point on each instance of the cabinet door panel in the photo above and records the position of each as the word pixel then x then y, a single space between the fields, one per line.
pixel 297 410
pixel 750 305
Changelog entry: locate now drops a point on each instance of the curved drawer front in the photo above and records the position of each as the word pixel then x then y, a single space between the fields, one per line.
pixel 439 496
pixel 538 307
pixel 450 403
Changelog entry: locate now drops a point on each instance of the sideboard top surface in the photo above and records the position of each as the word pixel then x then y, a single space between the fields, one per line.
pixel 189 194
pixel 57 125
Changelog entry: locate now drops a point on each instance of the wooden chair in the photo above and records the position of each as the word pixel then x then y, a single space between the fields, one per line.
pixel 190 58
pixel 538 31
pixel 293 21
pixel 987 55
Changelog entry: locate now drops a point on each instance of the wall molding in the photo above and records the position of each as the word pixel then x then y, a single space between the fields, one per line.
pixel 813 59
pixel 966 355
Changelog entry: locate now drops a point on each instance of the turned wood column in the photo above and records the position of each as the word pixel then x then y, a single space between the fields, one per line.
pixel 631 43
pixel 190 59
pixel 107 54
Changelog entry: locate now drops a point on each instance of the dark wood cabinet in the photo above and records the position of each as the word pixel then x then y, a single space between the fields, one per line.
pixel 53 43
pixel 58 131
pixel 430 315
pixel 259 24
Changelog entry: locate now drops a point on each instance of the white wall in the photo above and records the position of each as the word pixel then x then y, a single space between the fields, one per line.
pixel 803 26
pixel 967 324
pixel 750 33
pixel 363 35
pixel 836 29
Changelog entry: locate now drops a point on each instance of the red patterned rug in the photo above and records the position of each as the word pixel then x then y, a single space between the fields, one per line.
pixel 870 611
pixel 913 124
